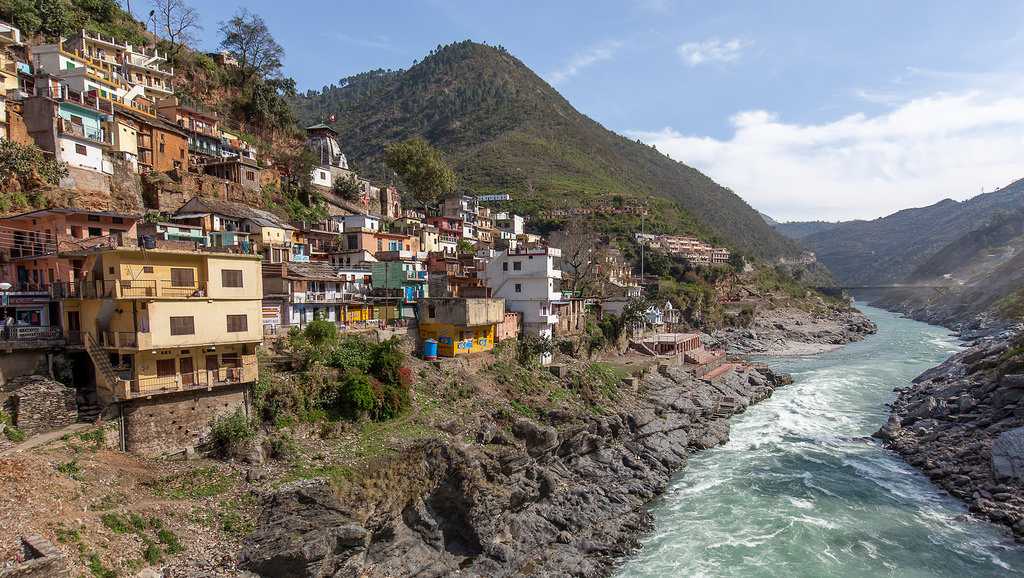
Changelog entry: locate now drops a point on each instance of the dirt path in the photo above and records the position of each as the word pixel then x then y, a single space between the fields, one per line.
pixel 43 439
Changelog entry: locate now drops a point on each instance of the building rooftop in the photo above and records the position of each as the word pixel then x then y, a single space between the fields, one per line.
pixel 65 211
pixel 202 205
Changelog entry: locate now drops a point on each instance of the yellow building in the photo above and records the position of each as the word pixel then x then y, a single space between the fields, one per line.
pixel 460 326
pixel 161 321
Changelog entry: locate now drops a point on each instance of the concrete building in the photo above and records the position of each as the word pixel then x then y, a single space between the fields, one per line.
pixel 70 125
pixel 510 223
pixel 303 292
pixel 460 326
pixel 201 126
pixel 239 226
pixel 529 282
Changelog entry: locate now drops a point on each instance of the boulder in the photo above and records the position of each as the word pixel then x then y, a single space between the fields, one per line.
pixel 1008 455
pixel 888 431
pixel 539 439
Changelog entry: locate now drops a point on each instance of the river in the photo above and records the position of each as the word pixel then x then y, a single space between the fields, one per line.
pixel 801 490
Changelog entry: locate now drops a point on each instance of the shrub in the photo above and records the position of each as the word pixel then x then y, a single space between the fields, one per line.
pixel 169 539
pixel 151 553
pixel 387 360
pixel 21 161
pixel 71 469
pixel 228 432
pixel 116 522
pixel 321 333
pixel 391 399
pixel 283 447
pixel 353 395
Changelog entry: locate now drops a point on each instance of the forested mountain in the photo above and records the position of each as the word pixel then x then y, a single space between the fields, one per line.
pixel 889 249
pixel 506 130
pixel 800 229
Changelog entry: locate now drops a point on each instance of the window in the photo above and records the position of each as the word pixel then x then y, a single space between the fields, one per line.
pixel 432 311
pixel 237 323
pixel 231 277
pixel 504 266
pixel 161 146
pixel 80 149
pixel 230 360
pixel 182 277
pixel 147 269
pixel 165 367
pixel 517 265
pixel 95 232
pixel 519 288
pixel 117 220
pixel 250 176
pixel 95 218
pixel 183 326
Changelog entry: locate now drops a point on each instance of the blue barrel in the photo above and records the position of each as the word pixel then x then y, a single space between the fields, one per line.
pixel 430 349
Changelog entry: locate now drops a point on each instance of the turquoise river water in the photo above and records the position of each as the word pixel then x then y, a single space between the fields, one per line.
pixel 802 490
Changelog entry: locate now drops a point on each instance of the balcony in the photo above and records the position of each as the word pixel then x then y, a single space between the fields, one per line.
pixel 84 99
pixel 127 289
pixel 96 135
pixel 203 379
pixel 31 333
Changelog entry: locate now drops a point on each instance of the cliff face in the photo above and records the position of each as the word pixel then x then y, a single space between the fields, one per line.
pixel 566 496
pixel 962 424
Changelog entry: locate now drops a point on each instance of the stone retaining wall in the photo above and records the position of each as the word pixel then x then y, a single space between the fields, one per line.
pixel 178 422
pixel 40 404
pixel 41 560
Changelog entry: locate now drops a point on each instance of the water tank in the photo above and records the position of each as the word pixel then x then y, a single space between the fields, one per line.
pixel 430 349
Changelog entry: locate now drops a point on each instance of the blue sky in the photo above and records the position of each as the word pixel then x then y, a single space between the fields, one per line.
pixel 806 109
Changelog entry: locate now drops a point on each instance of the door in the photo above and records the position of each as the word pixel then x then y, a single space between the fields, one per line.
pixel 187 372
pixel 212 369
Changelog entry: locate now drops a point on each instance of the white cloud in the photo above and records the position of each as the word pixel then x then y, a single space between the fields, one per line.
pixel 713 50
pixel 859 166
pixel 583 60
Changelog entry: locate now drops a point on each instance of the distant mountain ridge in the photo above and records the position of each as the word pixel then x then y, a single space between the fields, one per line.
pixel 888 250
pixel 506 130
pixel 799 229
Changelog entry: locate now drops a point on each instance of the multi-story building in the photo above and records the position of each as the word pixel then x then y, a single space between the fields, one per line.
pixel 510 223
pixel 162 146
pixel 403 280
pixel 142 68
pixel 447 226
pixel 451 276
pixel 303 292
pixel 528 281
pixel 200 124
pixel 172 336
pixel 71 125
pixel 180 232
pixel 460 326
pixel 239 226
pixel 391 242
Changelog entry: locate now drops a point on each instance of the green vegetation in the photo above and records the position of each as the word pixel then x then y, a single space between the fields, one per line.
pixel 231 431
pixel 116 523
pixel 347 188
pixel 71 469
pixel 53 18
pixel 422 169
pixel 340 378
pixel 199 483
pixel 10 432
pixel 97 569
pixel 504 129
pixel 30 169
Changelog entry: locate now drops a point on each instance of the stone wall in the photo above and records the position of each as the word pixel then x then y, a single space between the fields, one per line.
pixel 168 192
pixel 173 423
pixel 40 404
pixel 91 184
pixel 40 559
pixel 125 188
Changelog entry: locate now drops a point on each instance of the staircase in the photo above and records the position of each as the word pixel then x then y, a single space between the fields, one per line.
pixel 106 377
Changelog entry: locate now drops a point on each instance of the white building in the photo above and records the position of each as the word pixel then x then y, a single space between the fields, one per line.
pixel 526 278
pixel 356 222
pixel 510 223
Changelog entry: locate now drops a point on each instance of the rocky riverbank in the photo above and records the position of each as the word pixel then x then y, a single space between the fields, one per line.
pixel 962 424
pixel 793 331
pixel 562 494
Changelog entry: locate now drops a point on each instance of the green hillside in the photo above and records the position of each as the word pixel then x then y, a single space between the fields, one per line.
pixel 506 130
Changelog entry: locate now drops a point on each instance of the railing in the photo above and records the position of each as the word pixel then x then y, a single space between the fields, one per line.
pixel 31 333
pixel 185 381
pixel 127 289
pixel 86 99
pixel 119 339
pixel 81 131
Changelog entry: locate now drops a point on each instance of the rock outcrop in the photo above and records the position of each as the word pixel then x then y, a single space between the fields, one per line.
pixel 788 331
pixel 962 424
pixel 564 495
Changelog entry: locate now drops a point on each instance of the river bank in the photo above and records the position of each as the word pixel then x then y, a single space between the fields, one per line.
pixel 800 489
pixel 562 493
pixel 793 331
pixel 962 424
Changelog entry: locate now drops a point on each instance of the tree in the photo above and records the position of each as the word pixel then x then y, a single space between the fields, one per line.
pixel 177 22
pixel 580 245
pixel 247 38
pixel 348 188
pixel 422 169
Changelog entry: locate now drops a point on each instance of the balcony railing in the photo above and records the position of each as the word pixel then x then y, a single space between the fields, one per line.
pixel 31 333
pixel 85 99
pixel 127 289
pixel 97 135
pixel 202 379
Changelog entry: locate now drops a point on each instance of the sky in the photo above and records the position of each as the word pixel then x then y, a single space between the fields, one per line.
pixel 808 110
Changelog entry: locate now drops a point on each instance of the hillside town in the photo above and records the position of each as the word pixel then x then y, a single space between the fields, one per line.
pixel 183 298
